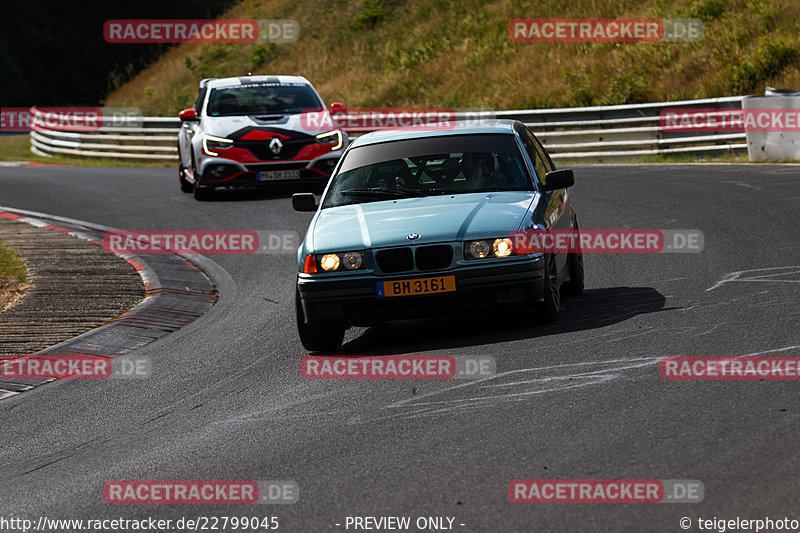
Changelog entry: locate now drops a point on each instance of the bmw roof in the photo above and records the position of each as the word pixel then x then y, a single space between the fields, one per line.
pixel 460 128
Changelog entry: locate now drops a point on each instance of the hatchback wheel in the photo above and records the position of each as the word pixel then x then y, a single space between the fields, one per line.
pixel 185 185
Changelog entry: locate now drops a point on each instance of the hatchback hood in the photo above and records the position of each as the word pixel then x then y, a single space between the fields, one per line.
pixel 434 218
pixel 309 123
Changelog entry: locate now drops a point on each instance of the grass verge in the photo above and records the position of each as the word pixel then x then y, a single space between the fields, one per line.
pixel 18 148
pixel 13 277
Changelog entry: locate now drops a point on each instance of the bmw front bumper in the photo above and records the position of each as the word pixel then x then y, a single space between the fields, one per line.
pixel 351 299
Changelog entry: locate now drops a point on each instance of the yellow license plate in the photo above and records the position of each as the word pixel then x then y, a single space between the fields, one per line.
pixel 410 287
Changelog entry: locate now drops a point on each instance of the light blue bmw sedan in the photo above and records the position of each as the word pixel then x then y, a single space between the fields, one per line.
pixel 419 223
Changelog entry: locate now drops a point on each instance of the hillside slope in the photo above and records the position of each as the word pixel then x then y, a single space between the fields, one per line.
pixel 457 53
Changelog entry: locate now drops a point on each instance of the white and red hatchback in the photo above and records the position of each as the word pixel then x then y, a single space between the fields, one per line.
pixel 254 131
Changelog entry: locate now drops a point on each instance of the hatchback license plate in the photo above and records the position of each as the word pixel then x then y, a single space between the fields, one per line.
pixel 410 287
pixel 268 175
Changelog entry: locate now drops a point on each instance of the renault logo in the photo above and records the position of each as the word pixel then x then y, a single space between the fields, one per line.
pixel 412 236
pixel 275 145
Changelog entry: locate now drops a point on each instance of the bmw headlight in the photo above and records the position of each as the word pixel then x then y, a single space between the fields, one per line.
pixel 478 249
pixel 329 262
pixel 488 248
pixel 352 260
pixel 502 247
pixel 334 262
pixel 331 137
pixel 211 143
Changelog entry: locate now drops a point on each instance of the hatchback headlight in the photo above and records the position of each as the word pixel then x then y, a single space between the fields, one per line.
pixel 488 248
pixel 331 137
pixel 211 143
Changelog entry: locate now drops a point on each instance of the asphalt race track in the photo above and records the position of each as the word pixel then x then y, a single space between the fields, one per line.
pixel 578 399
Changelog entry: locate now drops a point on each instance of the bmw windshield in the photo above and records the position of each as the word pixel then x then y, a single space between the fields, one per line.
pixel 262 99
pixel 455 164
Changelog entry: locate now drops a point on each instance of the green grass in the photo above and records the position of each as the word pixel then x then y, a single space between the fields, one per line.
pixel 11 264
pixel 18 148
pixel 457 53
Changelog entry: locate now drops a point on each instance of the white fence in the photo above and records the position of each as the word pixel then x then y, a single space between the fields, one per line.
pixel 588 134
pixel 143 138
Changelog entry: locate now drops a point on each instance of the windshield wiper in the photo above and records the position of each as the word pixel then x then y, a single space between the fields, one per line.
pixel 383 191
pixel 442 191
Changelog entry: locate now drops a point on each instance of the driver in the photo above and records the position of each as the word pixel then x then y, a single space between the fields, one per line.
pixel 482 174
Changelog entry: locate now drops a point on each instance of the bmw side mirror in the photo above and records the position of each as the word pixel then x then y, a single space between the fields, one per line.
pixel 559 179
pixel 188 114
pixel 304 201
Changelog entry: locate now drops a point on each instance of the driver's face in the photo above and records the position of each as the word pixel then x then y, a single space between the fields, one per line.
pixel 484 166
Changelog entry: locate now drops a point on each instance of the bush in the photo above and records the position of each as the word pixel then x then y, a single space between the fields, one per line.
pixel 627 88
pixel 374 11
pixel 768 60
pixel 707 10
pixel 580 97
pixel 263 53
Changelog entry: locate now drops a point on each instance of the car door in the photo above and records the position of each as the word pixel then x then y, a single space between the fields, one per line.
pixel 556 210
pixel 188 130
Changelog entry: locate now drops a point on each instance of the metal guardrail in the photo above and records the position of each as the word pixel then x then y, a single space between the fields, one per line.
pixel 588 134
pixel 144 138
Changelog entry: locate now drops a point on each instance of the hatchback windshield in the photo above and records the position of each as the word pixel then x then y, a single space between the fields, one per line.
pixel 455 164
pixel 262 99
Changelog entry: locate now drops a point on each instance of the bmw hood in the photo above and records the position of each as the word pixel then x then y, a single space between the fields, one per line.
pixel 433 218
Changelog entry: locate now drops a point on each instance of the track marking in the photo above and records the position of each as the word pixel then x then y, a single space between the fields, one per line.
pixel 592 377
pixel 743 184
pixel 738 276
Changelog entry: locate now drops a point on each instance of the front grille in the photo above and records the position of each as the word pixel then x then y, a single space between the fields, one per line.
pixel 293 141
pixel 434 257
pixel 277 166
pixel 291 147
pixel 395 260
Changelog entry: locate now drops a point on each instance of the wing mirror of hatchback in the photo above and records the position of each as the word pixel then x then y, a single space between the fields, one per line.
pixel 188 114
pixel 559 179
pixel 338 108
pixel 304 201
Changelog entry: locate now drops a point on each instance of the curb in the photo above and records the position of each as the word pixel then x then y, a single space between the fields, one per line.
pixel 176 294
